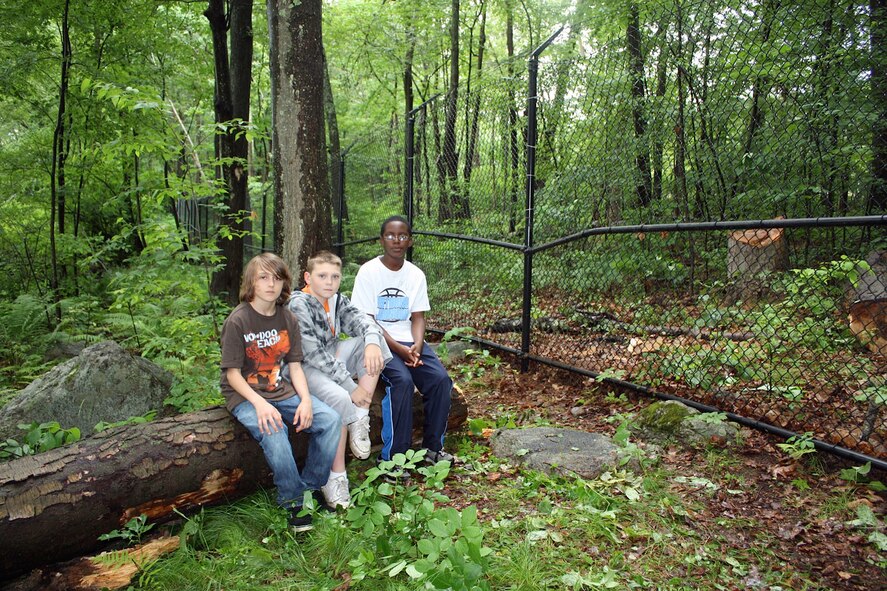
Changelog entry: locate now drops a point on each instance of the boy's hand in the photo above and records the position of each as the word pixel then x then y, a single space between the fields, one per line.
pixel 361 397
pixel 304 415
pixel 372 360
pixel 269 417
pixel 415 356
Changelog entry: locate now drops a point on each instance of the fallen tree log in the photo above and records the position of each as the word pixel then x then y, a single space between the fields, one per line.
pixel 55 505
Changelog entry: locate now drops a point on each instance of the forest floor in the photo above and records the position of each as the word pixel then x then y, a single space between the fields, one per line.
pixel 798 511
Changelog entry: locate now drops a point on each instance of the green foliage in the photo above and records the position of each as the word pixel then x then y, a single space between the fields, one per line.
pixel 40 437
pixel 406 533
pixel 146 418
pixel 859 475
pixel 477 363
pixel 457 333
pixel 798 446
pixel 131 532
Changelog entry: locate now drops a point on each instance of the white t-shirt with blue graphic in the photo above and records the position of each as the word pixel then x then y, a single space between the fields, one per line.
pixel 391 296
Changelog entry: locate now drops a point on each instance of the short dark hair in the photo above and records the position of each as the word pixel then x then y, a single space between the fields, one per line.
pixel 395 218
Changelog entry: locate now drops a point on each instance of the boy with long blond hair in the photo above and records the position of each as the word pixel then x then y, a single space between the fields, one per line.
pixel 258 337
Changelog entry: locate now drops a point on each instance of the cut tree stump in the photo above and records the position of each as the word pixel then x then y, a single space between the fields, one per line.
pixel 867 313
pixel 750 253
pixel 55 505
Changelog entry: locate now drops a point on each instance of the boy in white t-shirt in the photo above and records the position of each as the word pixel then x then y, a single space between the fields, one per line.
pixel 394 291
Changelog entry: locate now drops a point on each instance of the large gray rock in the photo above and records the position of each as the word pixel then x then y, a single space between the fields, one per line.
pixel 564 452
pixel 103 383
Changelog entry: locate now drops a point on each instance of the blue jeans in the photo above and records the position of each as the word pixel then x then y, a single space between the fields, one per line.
pixel 325 431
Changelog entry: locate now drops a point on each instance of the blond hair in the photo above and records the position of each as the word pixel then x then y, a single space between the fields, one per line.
pixel 320 258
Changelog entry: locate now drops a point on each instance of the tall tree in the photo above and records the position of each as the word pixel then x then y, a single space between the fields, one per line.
pixel 340 210
pixel 877 200
pixel 638 104
pixel 302 222
pixel 473 106
pixel 59 157
pixel 454 203
pixel 233 76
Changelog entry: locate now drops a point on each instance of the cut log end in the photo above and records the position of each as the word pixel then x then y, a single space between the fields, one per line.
pixel 868 322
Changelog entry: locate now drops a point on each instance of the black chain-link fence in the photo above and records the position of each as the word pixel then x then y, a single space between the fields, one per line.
pixel 578 217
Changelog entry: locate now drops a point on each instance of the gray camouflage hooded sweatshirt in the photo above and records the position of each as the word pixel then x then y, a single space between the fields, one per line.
pixel 318 341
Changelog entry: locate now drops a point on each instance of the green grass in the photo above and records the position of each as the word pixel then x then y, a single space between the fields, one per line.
pixel 541 532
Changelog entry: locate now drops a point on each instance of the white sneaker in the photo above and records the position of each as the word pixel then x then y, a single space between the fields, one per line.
pixel 359 437
pixel 336 492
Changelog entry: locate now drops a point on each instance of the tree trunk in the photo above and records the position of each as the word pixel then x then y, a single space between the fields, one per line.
pixel 332 129
pixel 512 172
pixel 302 220
pixel 877 199
pixel 57 182
pixel 643 187
pixel 474 114
pixel 232 89
pixel 661 80
pixel 98 484
pixel 408 100
pixel 453 203
pixel 680 176
pixel 868 306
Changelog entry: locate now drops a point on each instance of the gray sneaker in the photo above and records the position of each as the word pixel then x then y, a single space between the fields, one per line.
pixel 336 492
pixel 433 457
pixel 359 438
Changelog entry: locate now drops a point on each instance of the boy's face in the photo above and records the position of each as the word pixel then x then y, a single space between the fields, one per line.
pixel 267 286
pixel 396 239
pixel 324 280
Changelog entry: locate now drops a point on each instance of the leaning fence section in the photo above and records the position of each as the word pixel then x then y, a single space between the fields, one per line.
pixel 576 211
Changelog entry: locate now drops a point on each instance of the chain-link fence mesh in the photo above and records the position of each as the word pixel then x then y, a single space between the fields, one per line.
pixel 686 116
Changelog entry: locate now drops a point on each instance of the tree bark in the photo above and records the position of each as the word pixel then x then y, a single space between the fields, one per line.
pixel 473 114
pixel 57 182
pixel 332 129
pixel 453 204
pixel 643 187
pixel 302 221
pixel 98 484
pixel 877 199
pixel 233 77
pixel 512 171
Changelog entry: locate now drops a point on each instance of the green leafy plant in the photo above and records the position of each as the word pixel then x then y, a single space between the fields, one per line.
pixel 138 420
pixel 477 363
pixel 798 446
pixel 859 475
pixel 132 532
pixel 40 437
pixel 406 533
pixel 712 418
pixel 454 334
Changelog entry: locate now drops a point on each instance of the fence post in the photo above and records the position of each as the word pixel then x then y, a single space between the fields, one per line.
pixel 532 99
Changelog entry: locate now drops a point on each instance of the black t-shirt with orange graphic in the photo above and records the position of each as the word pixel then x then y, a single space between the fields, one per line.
pixel 258 346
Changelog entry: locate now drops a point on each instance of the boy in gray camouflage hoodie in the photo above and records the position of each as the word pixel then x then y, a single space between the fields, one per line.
pixel 330 361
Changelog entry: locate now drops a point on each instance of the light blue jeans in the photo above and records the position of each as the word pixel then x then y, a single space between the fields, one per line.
pixel 325 431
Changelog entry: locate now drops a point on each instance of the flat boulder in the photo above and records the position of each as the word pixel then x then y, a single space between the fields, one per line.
pixel 561 452
pixel 103 383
